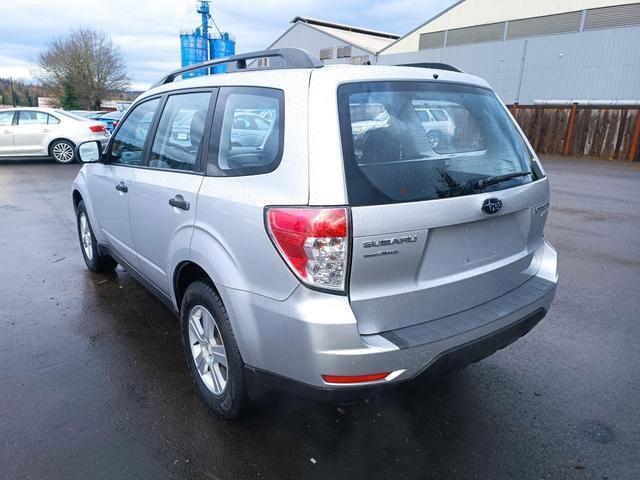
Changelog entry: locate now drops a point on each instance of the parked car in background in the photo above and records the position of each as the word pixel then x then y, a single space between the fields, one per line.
pixel 46 132
pixel 303 262
pixel 437 124
pixel 110 119
pixel 249 130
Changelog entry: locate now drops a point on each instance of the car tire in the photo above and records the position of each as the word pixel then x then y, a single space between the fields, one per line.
pixel 212 353
pixel 95 261
pixel 63 152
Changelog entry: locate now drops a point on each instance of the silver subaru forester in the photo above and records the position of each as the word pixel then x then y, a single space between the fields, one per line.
pixel 310 232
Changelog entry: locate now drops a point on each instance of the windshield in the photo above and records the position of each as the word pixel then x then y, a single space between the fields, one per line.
pixel 437 140
pixel 112 115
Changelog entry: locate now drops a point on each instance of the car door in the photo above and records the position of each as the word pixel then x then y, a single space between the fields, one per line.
pixel 163 196
pixel 111 180
pixel 30 131
pixel 6 133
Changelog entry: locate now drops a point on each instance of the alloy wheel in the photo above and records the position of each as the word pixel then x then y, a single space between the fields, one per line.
pixel 63 152
pixel 207 349
pixel 85 236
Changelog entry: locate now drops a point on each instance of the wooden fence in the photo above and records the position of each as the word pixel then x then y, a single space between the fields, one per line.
pixel 611 132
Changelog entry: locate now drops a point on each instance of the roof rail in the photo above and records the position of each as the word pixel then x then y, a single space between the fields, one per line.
pixel 435 66
pixel 289 58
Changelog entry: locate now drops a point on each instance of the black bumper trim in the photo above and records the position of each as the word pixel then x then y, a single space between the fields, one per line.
pixel 480 316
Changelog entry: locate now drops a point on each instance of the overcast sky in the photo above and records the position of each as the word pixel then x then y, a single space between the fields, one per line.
pixel 147 30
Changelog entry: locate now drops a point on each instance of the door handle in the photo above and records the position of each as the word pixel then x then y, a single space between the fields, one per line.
pixel 7 131
pixel 46 130
pixel 121 187
pixel 179 202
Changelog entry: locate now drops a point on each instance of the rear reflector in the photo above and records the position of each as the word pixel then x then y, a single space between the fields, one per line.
pixel 372 377
pixel 97 128
pixel 313 241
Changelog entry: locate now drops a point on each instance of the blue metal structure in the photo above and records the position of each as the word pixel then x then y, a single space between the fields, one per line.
pixel 200 46
pixel 194 49
pixel 221 47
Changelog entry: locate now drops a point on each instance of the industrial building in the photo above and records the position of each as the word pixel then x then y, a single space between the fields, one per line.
pixel 535 52
pixel 334 42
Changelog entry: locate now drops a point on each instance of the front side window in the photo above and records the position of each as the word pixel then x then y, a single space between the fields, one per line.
pixel 250 122
pixel 128 143
pixel 30 117
pixel 412 141
pixel 180 132
pixel 6 119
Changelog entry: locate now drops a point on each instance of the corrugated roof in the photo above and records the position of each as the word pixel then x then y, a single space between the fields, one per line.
pixel 370 40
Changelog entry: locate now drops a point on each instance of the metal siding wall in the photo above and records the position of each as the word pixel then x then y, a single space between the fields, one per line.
pixel 596 65
pixel 303 36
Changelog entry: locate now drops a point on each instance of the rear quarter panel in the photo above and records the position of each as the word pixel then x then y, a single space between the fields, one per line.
pixel 230 241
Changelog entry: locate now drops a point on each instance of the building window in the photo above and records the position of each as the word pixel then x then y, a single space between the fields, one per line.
pixel 476 34
pixel 326 53
pixel 344 52
pixel 547 25
pixel 611 17
pixel 431 40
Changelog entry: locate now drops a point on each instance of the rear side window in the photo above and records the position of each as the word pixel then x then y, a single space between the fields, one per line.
pixel 29 117
pixel 413 141
pixel 250 126
pixel 128 143
pixel 180 131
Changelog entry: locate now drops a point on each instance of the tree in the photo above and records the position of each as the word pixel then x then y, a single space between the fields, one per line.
pixel 68 99
pixel 83 67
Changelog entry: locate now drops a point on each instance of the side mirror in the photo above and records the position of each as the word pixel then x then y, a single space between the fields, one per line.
pixel 89 152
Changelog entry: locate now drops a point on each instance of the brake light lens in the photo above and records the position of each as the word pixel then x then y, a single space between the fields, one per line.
pixel 313 242
pixel 97 128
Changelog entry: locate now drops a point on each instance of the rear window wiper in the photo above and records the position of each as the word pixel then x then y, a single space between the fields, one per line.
pixel 485 182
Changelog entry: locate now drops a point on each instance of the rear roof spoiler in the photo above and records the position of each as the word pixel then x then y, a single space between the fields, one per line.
pixel 288 58
pixel 434 66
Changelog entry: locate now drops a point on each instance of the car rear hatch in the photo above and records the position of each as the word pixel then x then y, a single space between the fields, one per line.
pixel 439 226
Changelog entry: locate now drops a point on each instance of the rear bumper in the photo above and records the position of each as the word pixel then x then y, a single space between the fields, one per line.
pixel 291 344
pixel 261 382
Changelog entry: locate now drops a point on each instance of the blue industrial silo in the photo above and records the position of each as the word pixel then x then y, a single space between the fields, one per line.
pixel 199 46
pixel 221 47
pixel 194 48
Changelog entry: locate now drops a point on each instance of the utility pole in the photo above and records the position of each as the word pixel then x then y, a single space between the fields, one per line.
pixel 13 93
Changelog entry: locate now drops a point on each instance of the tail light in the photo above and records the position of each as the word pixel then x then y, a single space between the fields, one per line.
pixel 97 128
pixel 314 242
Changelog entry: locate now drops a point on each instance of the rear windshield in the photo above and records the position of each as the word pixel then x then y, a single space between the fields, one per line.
pixel 412 141
pixel 70 115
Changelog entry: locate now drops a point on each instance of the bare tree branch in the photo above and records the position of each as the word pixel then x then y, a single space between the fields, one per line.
pixel 86 61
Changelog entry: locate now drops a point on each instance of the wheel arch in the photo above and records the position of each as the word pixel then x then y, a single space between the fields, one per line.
pixel 77 198
pixel 185 273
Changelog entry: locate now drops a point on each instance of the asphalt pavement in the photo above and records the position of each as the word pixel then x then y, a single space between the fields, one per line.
pixel 94 385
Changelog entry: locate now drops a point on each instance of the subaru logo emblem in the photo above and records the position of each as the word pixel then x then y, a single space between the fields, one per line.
pixel 491 206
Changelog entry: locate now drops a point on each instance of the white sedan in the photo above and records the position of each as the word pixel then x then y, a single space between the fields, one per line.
pixel 46 132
